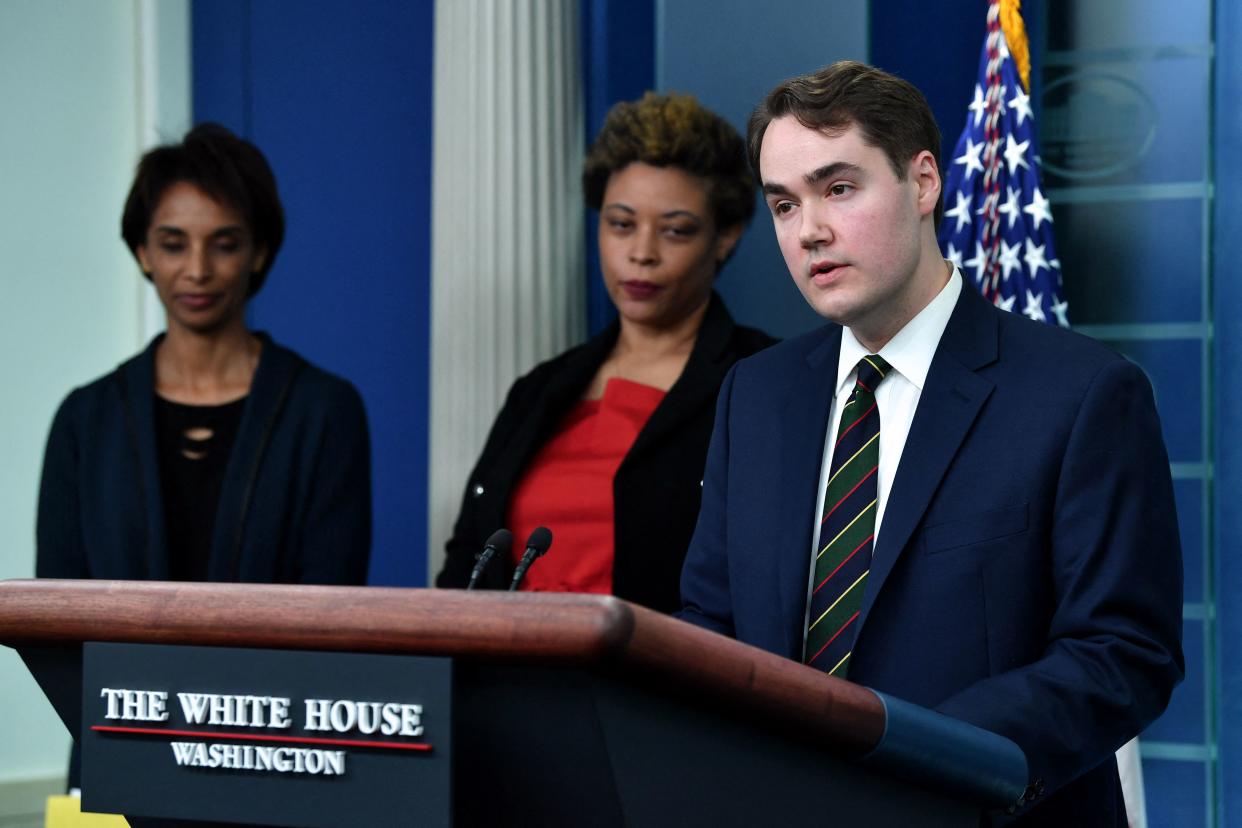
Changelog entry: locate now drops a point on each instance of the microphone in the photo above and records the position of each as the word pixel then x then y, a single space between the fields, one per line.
pixel 536 545
pixel 500 541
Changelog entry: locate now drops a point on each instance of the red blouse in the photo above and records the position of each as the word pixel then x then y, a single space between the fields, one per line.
pixel 568 488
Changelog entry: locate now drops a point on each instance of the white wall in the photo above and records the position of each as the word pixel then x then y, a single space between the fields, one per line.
pixel 83 86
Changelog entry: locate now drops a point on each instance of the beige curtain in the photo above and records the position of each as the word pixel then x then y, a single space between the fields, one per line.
pixel 507 234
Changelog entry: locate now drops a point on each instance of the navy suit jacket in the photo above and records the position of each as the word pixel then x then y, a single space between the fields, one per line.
pixel 1027 574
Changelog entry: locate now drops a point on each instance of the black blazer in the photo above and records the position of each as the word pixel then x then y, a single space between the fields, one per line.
pixel 296 502
pixel 657 488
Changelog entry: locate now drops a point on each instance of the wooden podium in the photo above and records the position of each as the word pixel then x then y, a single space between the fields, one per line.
pixel 570 709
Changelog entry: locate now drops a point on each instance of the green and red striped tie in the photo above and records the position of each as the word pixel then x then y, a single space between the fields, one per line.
pixel 847 528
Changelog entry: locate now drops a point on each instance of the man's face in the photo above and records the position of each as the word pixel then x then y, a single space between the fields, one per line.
pixel 850 230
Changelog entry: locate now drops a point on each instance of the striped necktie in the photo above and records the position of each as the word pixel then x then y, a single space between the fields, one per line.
pixel 847 529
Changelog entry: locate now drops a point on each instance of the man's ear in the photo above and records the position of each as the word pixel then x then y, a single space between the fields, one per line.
pixel 140 252
pixel 926 175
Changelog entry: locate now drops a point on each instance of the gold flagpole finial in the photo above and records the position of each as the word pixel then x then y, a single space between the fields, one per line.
pixel 1015 37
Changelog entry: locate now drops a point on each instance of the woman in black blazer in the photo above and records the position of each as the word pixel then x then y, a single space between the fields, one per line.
pixel 215 454
pixel 671 183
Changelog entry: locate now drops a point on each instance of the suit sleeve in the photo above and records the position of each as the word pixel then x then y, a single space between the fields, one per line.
pixel 60 552
pixel 705 595
pixel 336 538
pixel 1113 652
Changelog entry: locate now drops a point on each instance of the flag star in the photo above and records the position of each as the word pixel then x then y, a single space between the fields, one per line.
pixel 979 262
pixel 1010 207
pixel 1006 304
pixel 1035 258
pixel 1009 258
pixel 1035 307
pixel 979 104
pixel 1021 105
pixel 1038 208
pixel 1060 309
pixel 954 255
pixel 1055 263
pixel 1015 152
pixel 961 211
pixel 971 157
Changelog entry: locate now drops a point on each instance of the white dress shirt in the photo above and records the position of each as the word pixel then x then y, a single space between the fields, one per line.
pixel 909 353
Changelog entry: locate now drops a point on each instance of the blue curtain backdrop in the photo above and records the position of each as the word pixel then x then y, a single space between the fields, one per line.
pixel 339 98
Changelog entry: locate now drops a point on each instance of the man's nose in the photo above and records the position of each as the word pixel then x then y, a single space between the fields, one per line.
pixel 816 226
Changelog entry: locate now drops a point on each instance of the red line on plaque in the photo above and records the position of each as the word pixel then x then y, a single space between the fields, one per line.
pixel 259 737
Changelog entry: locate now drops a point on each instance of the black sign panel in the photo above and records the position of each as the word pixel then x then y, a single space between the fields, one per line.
pixel 266 736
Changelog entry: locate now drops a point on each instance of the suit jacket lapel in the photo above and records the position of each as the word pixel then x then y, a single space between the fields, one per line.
pixel 948 406
pixel 804 406
pixel 273 381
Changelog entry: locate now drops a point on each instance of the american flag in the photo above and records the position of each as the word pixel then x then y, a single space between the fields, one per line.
pixel 997 225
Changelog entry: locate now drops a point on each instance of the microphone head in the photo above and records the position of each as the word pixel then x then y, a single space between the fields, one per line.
pixel 500 540
pixel 539 540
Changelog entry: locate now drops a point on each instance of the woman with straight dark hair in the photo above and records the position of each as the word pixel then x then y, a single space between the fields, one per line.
pixel 215 454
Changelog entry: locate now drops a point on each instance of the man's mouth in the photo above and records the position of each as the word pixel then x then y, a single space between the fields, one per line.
pixel 823 270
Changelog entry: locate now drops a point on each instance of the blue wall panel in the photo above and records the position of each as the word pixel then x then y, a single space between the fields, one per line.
pixel 1227 375
pixel 1181 803
pixel 1183 721
pixel 220 54
pixel 1190 506
pixel 902 34
pixel 339 97
pixel 730 53
pixel 1175 368
pixel 618 64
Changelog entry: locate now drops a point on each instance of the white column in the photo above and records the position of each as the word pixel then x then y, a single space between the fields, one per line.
pixel 70 85
pixel 507 240
pixel 162 77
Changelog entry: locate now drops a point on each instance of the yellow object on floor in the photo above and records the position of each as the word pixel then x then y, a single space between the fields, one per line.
pixel 66 812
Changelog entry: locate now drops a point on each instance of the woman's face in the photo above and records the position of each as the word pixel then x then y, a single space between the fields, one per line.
pixel 658 244
pixel 200 255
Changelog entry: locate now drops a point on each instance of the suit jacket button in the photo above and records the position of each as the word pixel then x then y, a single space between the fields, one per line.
pixel 478 490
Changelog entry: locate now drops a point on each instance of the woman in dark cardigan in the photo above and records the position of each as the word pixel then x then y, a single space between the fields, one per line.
pixel 605 443
pixel 215 454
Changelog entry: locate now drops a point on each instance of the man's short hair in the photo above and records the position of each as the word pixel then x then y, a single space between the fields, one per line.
pixel 891 113
pixel 230 170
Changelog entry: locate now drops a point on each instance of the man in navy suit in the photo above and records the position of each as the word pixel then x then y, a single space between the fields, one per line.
pixel 1022 570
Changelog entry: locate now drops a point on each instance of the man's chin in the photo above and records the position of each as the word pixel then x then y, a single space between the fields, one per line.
pixel 829 307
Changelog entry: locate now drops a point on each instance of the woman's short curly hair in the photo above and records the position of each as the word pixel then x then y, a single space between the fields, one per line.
pixel 674 131
pixel 229 169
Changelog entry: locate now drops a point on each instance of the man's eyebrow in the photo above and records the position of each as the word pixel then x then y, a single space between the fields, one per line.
pixel 774 189
pixel 618 206
pixel 831 171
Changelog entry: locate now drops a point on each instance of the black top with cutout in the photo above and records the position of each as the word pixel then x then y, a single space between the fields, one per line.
pixel 194 443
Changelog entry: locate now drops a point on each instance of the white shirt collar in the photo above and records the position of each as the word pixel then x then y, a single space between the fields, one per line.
pixel 910 352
